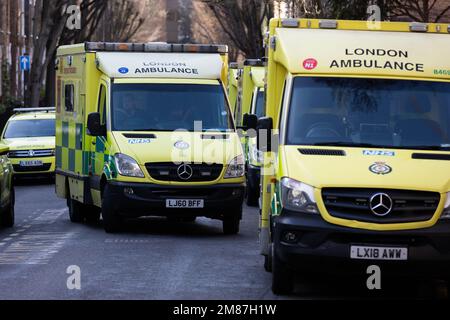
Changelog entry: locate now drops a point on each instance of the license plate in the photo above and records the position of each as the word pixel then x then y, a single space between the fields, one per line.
pixel 31 163
pixel 378 253
pixel 185 203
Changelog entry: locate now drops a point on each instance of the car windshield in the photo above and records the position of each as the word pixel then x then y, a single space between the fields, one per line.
pixel 259 106
pixel 169 107
pixel 369 112
pixel 30 128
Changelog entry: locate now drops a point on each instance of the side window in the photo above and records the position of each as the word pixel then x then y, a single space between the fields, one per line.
pixel 102 103
pixel 69 96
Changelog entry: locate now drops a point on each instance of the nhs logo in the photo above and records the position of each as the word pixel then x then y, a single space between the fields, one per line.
pixel 379 153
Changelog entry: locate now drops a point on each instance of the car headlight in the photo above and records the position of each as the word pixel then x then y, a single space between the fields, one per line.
pixel 298 196
pixel 446 213
pixel 127 166
pixel 236 168
pixel 255 154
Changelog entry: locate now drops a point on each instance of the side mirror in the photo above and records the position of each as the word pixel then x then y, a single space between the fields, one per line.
pixel 94 126
pixel 250 121
pixel 264 128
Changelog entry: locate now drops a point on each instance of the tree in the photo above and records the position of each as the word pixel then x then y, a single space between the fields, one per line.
pixel 420 10
pixel 49 20
pixel 243 22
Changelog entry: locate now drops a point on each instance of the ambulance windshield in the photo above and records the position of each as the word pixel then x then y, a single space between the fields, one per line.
pixel 30 128
pixel 369 113
pixel 169 107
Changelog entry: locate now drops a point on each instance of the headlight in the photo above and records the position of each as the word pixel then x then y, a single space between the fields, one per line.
pixel 446 213
pixel 255 154
pixel 127 166
pixel 298 196
pixel 236 168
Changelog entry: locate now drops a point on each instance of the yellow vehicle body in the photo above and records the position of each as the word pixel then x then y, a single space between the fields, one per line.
pixel 252 102
pixel 29 153
pixel 88 170
pixel 233 85
pixel 315 54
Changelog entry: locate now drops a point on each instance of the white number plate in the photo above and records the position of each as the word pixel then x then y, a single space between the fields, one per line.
pixel 378 253
pixel 31 163
pixel 185 203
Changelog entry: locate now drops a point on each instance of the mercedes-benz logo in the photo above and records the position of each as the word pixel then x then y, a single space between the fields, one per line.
pixel 185 172
pixel 381 204
pixel 31 153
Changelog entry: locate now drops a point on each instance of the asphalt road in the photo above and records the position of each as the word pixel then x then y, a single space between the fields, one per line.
pixel 151 259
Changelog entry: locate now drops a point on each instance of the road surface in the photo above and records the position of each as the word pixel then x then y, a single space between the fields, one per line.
pixel 151 259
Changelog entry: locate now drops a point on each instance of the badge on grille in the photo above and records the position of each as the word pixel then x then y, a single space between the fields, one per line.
pixel 185 172
pixel 380 168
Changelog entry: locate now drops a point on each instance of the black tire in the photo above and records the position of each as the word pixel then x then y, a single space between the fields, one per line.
pixel 7 217
pixel 231 224
pixel 112 222
pixel 75 211
pixel 268 263
pixel 93 215
pixel 252 196
pixel 282 277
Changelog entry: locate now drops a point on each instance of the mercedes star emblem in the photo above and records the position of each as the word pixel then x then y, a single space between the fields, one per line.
pixel 381 204
pixel 185 172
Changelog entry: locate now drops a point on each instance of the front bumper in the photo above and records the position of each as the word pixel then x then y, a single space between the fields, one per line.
pixel 47 167
pixel 325 247
pixel 150 199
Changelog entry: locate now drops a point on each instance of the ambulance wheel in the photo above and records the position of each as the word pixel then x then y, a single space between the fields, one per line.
pixel 112 222
pixel 7 217
pixel 282 277
pixel 232 223
pixel 75 211
pixel 93 214
pixel 268 263
pixel 252 197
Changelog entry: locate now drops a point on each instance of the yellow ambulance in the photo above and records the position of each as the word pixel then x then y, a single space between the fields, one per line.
pixel 7 195
pixel 252 102
pixel 234 75
pixel 357 167
pixel 146 130
pixel 30 136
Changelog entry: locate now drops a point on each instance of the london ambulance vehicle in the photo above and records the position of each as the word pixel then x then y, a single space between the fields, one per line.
pixel 252 103
pixel 30 136
pixel 234 74
pixel 146 130
pixel 357 168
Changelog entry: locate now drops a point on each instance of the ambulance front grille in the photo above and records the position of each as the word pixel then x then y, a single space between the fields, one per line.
pixel 31 153
pixel 45 167
pixel 170 172
pixel 364 204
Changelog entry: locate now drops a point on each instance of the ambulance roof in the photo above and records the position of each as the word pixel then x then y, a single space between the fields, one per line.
pixel 160 65
pixel 351 48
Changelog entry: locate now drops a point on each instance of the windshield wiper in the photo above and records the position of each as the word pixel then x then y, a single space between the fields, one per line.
pixel 349 144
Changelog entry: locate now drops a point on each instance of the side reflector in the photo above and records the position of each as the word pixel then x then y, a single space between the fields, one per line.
pixel 328 24
pixel 290 23
pixel 418 27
